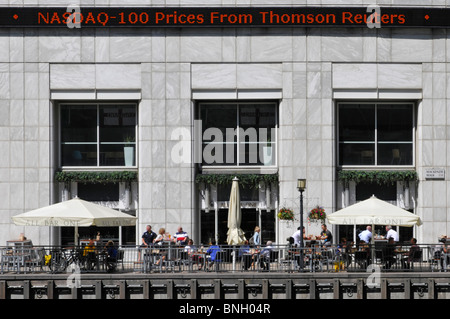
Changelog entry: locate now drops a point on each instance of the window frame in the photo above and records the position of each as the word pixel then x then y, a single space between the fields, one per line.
pixel 376 143
pixel 274 143
pixel 98 166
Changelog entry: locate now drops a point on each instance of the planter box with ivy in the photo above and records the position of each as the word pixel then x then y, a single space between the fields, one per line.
pixel 246 180
pixel 96 177
pixel 376 176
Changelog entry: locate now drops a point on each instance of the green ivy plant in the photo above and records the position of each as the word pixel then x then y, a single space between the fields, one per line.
pixel 96 177
pixel 379 177
pixel 246 180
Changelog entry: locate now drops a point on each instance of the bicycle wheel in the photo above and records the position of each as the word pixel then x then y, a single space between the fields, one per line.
pixel 57 263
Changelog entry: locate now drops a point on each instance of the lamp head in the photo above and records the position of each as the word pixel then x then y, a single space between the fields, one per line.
pixel 301 184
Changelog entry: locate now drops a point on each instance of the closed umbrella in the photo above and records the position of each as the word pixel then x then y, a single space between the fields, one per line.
pixel 76 213
pixel 235 235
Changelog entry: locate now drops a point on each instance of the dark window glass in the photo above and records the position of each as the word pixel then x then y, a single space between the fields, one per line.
pixel 394 123
pixel 245 129
pixel 356 122
pixel 98 192
pixel 366 190
pixel 115 125
pixel 78 124
pixel 376 134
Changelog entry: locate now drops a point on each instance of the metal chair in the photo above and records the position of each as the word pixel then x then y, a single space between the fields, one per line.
pixel 35 259
pixel 184 260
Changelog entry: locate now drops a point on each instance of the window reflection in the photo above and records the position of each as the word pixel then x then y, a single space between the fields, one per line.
pixel 376 134
pixel 98 134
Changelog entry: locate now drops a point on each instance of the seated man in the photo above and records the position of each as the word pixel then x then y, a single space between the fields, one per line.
pixel 389 253
pixel 411 256
pixel 181 237
pixel 111 256
pixel 212 252
pixel 264 256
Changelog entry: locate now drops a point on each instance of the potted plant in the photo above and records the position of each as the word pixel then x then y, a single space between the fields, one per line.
pixel 317 214
pixel 267 153
pixel 285 214
pixel 128 150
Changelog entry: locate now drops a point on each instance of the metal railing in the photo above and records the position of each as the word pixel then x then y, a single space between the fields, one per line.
pixel 173 258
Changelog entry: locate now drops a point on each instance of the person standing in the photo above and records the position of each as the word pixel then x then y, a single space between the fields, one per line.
pixel 391 233
pixel 148 236
pixel 256 236
pixel 366 235
pixel 147 240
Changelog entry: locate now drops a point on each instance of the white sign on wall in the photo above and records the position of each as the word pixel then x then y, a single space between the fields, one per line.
pixel 434 173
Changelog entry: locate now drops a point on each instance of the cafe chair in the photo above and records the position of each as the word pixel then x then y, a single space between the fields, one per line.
pixel 120 257
pixel 361 259
pixel 36 259
pixel 409 262
pixel 185 260
pixel 435 259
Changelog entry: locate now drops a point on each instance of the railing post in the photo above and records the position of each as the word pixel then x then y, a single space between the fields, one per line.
pixel 194 289
pixel 3 289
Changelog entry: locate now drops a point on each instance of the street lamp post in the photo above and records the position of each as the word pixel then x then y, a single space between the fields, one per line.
pixel 301 185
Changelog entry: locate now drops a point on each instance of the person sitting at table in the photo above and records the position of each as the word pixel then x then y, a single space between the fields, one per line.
pixel 161 237
pixel 245 255
pixel 391 233
pixel 366 235
pixel 441 253
pixel 89 254
pixel 326 235
pixel 212 252
pixel 410 256
pixel 264 256
pixel 389 253
pixel 344 249
pixel 181 237
pixel 190 248
pixel 297 235
pixel 159 240
pixel 111 256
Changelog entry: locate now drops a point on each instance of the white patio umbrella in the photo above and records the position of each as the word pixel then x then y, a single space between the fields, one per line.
pixel 374 211
pixel 76 213
pixel 235 235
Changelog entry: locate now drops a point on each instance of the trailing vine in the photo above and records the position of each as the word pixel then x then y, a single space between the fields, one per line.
pixel 246 180
pixel 96 177
pixel 379 177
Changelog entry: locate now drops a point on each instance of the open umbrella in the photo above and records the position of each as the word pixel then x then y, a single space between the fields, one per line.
pixel 235 235
pixel 374 211
pixel 76 213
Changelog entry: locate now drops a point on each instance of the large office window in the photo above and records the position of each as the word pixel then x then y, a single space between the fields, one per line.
pixel 98 134
pixel 238 134
pixel 376 134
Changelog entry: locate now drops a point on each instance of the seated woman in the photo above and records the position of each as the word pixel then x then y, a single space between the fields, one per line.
pixel 111 256
pixel 89 255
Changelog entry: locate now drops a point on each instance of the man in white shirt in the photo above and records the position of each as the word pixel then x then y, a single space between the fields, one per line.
pixel 297 235
pixel 366 235
pixel 391 233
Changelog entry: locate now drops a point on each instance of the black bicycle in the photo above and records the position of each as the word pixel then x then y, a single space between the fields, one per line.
pixel 60 259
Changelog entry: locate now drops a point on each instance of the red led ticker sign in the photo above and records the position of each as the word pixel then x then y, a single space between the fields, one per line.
pixel 224 17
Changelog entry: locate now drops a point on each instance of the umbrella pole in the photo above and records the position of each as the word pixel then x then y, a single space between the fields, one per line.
pixel 373 244
pixel 75 236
